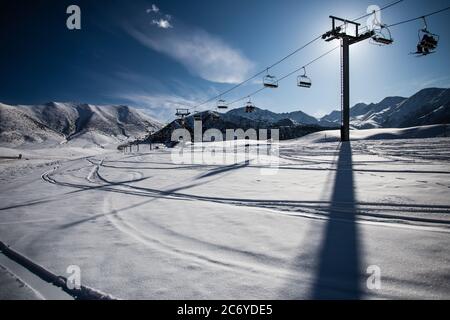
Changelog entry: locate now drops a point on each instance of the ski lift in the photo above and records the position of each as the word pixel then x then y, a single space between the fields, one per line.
pixel 221 104
pixel 381 36
pixel 303 81
pixel 182 113
pixel 249 107
pixel 270 81
pixel 427 41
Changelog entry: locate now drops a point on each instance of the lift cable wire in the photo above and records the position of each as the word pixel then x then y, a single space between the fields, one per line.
pixel 373 12
pixel 412 19
pixel 285 76
pixel 259 73
pixel 418 18
pixel 328 52
pixel 382 8
pixel 284 58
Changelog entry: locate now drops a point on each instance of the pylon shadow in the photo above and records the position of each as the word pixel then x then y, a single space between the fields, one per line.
pixel 338 271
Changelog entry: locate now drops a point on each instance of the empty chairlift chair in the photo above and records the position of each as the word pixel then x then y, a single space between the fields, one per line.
pixel 427 41
pixel 303 81
pixel 182 113
pixel 382 36
pixel 270 81
pixel 221 105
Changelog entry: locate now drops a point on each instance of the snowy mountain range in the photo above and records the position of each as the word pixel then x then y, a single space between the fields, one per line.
pixel 67 122
pixel 426 107
pixel 55 122
pixel 288 129
pixel 272 117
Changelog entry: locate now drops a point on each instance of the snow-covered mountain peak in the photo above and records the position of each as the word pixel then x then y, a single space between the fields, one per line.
pixel 56 122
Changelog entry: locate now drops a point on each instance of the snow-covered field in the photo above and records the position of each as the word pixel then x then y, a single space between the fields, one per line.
pixel 140 226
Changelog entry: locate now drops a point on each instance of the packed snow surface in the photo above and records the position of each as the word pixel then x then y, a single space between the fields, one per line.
pixel 140 225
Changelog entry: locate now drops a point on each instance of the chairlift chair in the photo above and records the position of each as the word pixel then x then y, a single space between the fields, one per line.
pixel 428 41
pixel 249 107
pixel 382 36
pixel 270 81
pixel 221 104
pixel 182 113
pixel 303 81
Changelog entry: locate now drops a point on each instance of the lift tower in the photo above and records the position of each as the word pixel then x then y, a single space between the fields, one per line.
pixel 340 32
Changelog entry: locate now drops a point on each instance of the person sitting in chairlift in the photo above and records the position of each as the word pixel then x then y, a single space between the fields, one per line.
pixel 428 43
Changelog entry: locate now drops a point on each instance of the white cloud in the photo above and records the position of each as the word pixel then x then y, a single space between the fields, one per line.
pixel 153 8
pixel 203 54
pixel 161 106
pixel 162 23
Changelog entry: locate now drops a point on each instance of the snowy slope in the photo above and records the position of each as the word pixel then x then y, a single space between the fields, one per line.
pixel 58 122
pixel 421 132
pixel 140 225
pixel 18 127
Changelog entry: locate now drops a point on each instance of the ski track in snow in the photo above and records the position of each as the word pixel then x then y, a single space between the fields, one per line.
pixel 133 189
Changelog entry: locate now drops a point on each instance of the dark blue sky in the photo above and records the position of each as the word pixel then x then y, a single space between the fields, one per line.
pixel 127 52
